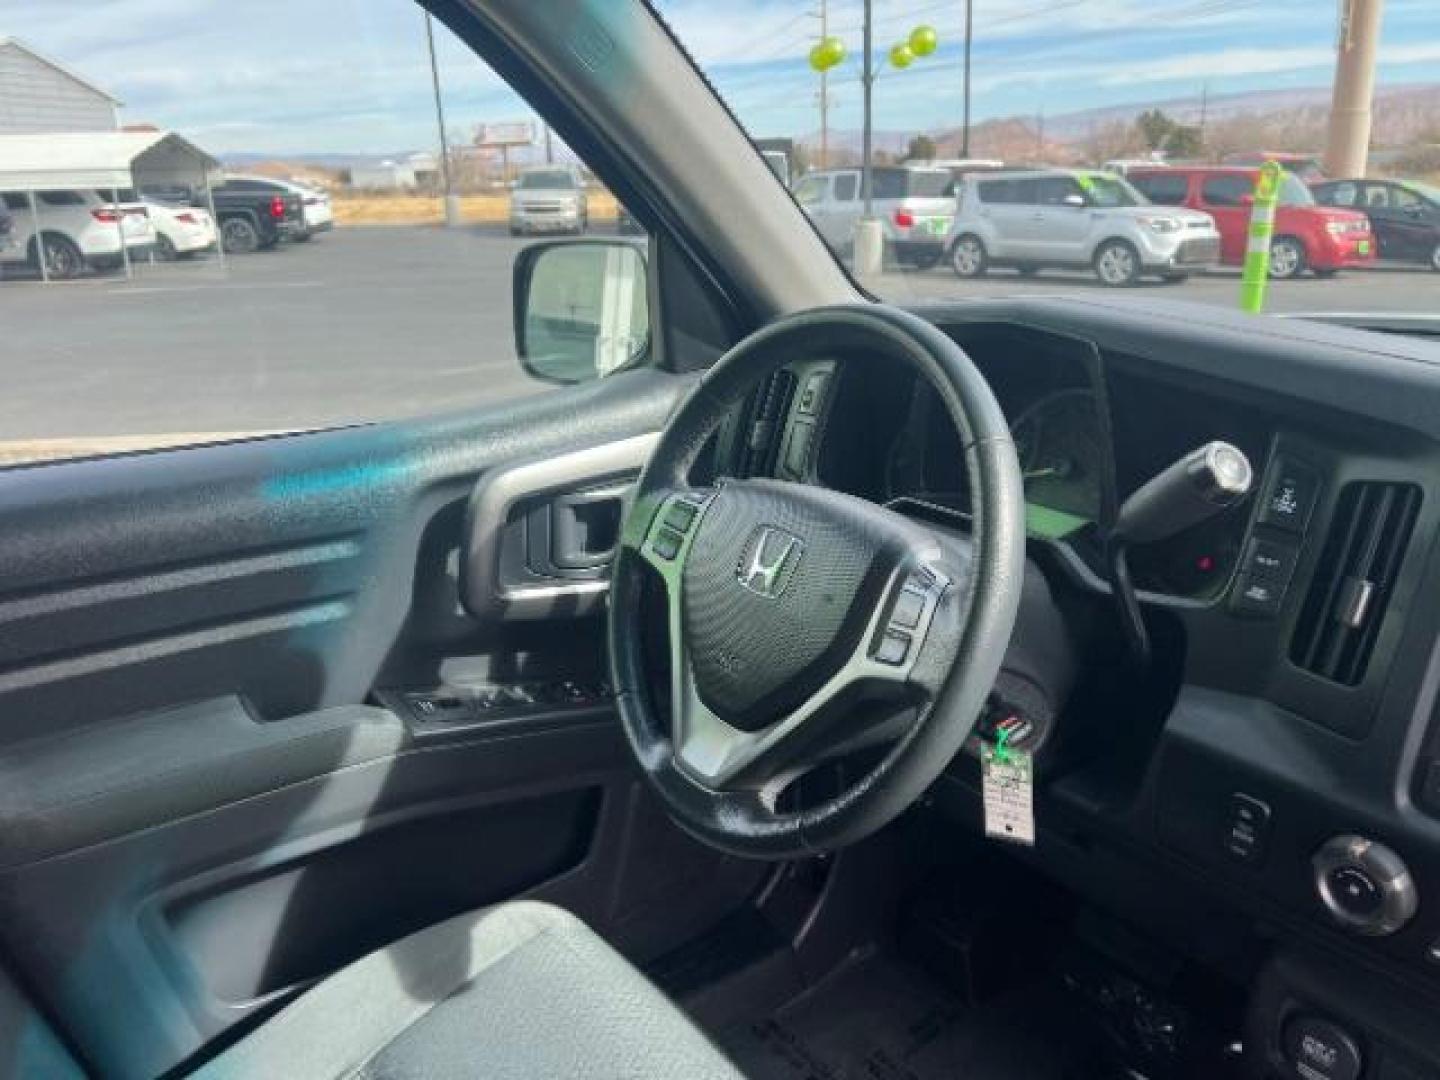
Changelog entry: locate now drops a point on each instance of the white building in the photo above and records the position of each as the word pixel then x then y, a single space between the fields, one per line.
pixel 387 176
pixel 42 95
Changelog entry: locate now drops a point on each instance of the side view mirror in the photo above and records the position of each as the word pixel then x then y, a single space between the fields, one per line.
pixel 582 309
pixel 1074 200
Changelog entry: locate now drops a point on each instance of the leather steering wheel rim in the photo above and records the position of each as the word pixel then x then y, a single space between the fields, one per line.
pixel 969 618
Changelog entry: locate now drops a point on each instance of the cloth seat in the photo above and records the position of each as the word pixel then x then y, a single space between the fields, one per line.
pixel 521 990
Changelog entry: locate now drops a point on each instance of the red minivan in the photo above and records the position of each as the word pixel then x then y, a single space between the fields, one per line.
pixel 1322 239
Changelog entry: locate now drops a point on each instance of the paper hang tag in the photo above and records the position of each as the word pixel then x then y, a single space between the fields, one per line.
pixel 1008 782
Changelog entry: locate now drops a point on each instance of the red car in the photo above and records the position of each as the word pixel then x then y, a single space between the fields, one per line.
pixel 1322 239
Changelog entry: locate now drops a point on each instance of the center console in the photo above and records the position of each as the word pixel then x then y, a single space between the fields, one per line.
pixel 1313 1019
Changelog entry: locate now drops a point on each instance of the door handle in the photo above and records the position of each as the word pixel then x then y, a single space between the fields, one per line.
pixel 585 527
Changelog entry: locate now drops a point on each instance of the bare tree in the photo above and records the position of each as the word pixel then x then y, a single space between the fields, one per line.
pixel 1111 140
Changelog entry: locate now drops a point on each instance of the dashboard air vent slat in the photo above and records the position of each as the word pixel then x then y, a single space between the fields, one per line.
pixel 1350 592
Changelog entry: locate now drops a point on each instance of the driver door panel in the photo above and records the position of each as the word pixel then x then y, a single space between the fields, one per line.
pixel 216 785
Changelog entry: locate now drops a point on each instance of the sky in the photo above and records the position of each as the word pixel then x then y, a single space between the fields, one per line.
pixel 352 76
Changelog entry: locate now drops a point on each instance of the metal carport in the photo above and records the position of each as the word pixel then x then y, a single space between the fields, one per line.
pixel 103 161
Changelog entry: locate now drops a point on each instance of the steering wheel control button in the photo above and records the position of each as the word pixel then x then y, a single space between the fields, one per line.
pixel 894 647
pixel 909 606
pixel 667 543
pixel 1365 886
pixel 1247 829
pixel 1317 1049
pixel 1265 572
pixel 681 516
pixel 812 394
pixel 1289 496
pixel 797 449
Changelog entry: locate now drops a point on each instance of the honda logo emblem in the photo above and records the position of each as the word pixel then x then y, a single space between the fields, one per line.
pixel 768 561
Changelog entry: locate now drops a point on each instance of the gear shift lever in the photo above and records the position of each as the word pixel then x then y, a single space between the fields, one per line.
pixel 1194 489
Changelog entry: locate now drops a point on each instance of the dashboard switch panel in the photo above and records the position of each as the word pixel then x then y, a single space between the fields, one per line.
pixel 1247 829
pixel 1319 1049
pixel 1265 572
pixel 1289 496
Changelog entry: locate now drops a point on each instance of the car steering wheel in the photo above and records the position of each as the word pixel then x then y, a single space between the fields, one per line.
pixel 795 611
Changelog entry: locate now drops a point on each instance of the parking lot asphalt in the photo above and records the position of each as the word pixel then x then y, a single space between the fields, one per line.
pixel 372 323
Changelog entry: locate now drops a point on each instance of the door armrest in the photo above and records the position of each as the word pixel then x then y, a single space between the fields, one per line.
pixel 95 783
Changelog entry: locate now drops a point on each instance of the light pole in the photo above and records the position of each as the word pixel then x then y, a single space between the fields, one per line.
pixel 867 83
pixel 1347 145
pixel 452 201
pixel 965 121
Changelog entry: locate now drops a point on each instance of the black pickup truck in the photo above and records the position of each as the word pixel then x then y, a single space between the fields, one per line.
pixel 253 215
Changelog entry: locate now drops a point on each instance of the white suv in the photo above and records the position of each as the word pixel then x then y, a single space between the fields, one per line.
pixel 1076 218
pixel 80 228
pixel 915 207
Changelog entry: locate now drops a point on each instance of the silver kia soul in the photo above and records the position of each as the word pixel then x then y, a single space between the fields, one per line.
pixel 1073 218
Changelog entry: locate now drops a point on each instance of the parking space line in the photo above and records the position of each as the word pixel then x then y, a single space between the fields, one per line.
pixel 234 286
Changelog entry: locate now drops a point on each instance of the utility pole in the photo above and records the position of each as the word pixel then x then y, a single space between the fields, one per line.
pixel 549 146
pixel 867 78
pixel 1204 112
pixel 869 232
pixel 452 204
pixel 824 99
pixel 1347 147
pixel 965 124
pixel 824 90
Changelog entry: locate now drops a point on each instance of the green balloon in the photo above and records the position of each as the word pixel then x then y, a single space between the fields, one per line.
pixel 833 51
pixel 901 56
pixel 923 40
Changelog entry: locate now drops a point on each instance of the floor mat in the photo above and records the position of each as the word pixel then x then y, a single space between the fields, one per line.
pixel 882 1019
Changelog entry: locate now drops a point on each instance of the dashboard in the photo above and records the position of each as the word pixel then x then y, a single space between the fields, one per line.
pixel 1088 431
pixel 1266 790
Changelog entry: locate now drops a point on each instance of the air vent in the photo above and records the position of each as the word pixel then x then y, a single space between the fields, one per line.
pixel 1351 589
pixel 772 406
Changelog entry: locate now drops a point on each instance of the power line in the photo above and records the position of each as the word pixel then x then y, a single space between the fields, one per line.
pixel 766 38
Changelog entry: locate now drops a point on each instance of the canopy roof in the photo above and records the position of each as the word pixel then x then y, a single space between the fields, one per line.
pixel 103 160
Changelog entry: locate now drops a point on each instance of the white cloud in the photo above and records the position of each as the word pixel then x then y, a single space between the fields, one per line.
pixel 1427 52
pixel 1219 64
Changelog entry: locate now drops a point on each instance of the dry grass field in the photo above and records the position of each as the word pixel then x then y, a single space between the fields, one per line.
pixel 405 209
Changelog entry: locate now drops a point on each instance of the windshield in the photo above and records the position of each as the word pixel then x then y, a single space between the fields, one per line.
pixel 546 181
pixel 1293 192
pixel 914 183
pixel 1053 91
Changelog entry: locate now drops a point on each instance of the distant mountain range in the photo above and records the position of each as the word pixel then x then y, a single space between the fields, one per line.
pixel 1404 114
pixel 1289 119
pixel 334 161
